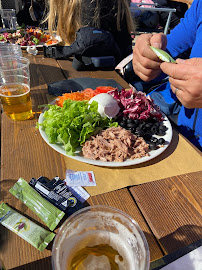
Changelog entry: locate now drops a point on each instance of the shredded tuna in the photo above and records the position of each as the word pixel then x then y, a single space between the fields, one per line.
pixel 115 144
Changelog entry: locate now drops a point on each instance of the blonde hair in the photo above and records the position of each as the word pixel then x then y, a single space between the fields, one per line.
pixel 64 17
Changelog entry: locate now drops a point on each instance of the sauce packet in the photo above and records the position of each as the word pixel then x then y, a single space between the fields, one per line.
pixel 25 228
pixel 47 212
pixel 80 178
pixel 57 192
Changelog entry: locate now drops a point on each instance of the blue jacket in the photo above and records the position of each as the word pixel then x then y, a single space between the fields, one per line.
pixel 185 36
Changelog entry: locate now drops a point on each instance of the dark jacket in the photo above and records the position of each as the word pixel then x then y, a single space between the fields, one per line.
pixel 108 22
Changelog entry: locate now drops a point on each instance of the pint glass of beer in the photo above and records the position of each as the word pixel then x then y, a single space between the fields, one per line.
pixel 100 237
pixel 15 87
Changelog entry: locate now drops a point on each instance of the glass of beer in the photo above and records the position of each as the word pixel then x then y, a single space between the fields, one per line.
pixel 15 87
pixel 100 237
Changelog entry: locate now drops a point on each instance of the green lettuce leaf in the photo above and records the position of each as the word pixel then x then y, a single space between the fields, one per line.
pixel 74 123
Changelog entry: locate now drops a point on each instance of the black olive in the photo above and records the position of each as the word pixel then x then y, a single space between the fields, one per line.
pixel 140 132
pixel 147 136
pixel 152 146
pixel 148 125
pixel 161 132
pixel 133 130
pixel 161 141
pixel 130 120
pixel 153 130
pixel 152 120
pixel 153 139
pixel 136 121
pixel 162 127
pixel 141 125
pixel 157 124
pixel 123 124
pixel 131 125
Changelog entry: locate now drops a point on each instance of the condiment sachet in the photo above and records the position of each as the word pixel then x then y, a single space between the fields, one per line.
pixel 25 228
pixel 45 210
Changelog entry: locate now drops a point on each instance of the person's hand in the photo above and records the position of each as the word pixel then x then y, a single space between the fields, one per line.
pixel 186 81
pixel 145 62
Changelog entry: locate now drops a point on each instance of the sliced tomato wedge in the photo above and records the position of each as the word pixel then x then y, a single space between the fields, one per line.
pixel 104 89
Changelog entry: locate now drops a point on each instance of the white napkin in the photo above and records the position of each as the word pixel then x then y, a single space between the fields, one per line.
pixel 190 261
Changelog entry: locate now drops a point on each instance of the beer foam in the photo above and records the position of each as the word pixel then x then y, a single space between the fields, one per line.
pixel 105 228
pixel 14 89
pixel 95 263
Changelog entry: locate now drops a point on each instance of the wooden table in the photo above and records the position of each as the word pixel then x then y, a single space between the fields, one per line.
pixel 168 210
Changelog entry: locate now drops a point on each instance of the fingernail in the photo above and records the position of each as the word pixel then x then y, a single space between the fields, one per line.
pixel 156 45
pixel 180 61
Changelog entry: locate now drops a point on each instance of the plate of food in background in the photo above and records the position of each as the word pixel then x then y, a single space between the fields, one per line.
pixel 30 36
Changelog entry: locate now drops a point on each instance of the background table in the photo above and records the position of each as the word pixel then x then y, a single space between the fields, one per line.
pixel 168 211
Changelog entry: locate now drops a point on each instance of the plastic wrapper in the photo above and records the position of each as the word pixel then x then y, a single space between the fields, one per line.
pixel 57 192
pixel 46 211
pixel 25 228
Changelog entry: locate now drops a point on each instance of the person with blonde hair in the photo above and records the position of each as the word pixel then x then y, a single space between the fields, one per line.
pixel 68 16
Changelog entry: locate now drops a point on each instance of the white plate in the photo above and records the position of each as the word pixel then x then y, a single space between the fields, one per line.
pixel 152 154
pixel 40 45
pixel 37 46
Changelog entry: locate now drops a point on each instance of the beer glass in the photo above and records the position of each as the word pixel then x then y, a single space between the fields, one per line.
pixel 100 237
pixel 15 87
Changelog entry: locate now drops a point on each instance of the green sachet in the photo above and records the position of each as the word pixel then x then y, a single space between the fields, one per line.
pixel 164 56
pixel 46 211
pixel 25 228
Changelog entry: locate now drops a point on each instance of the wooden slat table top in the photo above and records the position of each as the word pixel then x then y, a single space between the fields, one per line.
pixel 69 72
pixel 25 154
pixel 177 201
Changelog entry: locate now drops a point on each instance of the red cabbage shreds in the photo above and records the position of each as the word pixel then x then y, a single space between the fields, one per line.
pixel 136 105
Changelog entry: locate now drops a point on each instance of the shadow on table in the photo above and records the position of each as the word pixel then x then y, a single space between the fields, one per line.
pixel 39 265
pixel 183 236
pixel 45 74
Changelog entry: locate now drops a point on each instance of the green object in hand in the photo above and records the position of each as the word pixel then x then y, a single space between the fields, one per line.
pixel 164 56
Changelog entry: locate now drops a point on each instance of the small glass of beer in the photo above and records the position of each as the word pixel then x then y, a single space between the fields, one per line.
pixel 15 87
pixel 100 237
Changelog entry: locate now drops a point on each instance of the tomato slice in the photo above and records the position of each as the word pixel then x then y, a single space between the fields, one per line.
pixel 104 89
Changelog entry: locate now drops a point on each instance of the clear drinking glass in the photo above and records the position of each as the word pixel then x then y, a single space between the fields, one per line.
pixel 15 87
pixel 8 17
pixel 7 49
pixel 100 237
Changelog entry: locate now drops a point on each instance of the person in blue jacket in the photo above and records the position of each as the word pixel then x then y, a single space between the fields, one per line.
pixel 181 97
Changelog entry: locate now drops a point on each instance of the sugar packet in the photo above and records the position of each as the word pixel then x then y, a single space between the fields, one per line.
pixel 80 178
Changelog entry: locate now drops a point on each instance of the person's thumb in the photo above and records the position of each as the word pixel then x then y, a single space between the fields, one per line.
pixel 191 61
pixel 159 41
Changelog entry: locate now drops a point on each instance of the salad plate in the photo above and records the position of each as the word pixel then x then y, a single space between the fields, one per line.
pixel 30 36
pixel 129 162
